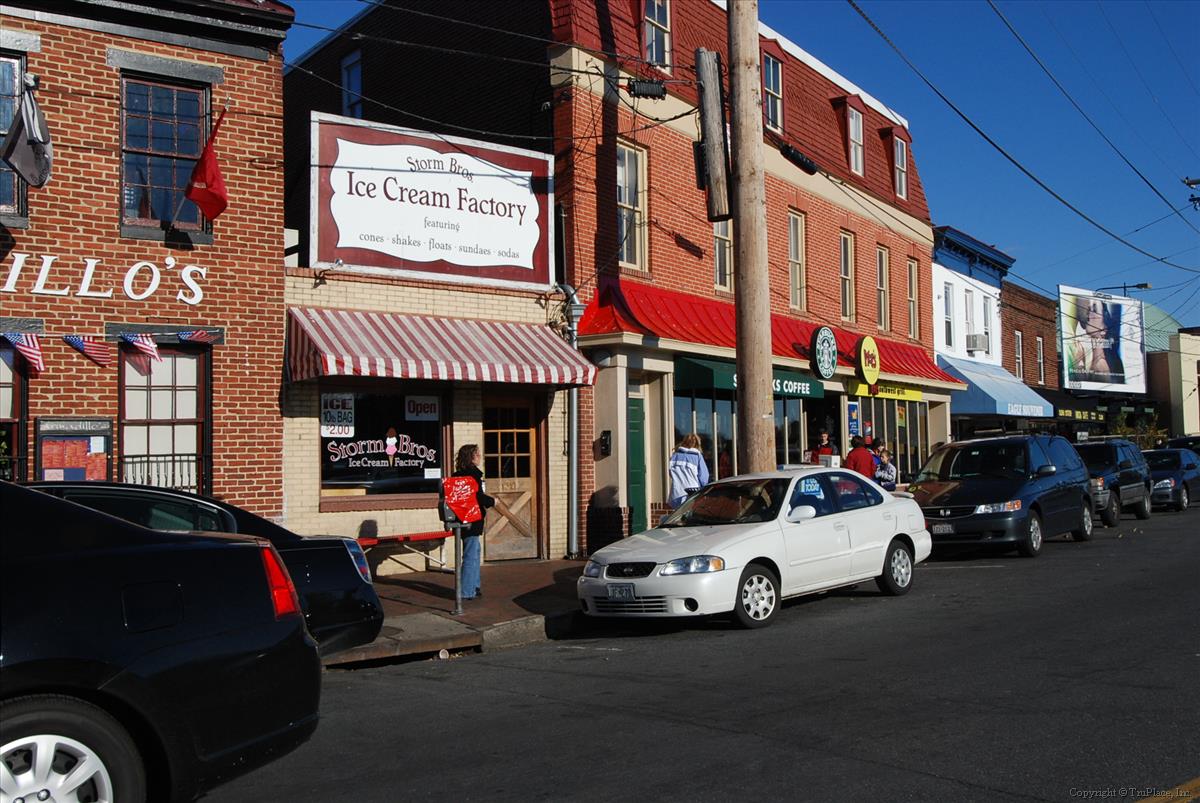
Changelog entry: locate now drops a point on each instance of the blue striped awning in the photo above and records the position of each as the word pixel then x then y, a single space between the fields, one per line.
pixel 992 391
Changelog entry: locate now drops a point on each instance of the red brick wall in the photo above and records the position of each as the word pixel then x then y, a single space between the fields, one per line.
pixel 1033 315
pixel 77 216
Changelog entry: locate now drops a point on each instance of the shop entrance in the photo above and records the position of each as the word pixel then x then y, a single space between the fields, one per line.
pixel 826 414
pixel 511 529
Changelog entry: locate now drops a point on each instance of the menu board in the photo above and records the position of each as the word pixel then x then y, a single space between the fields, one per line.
pixel 74 449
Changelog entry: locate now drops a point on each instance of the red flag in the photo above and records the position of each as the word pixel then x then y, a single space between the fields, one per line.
pixel 207 187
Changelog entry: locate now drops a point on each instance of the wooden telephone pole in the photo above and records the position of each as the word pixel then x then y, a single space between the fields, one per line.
pixel 752 298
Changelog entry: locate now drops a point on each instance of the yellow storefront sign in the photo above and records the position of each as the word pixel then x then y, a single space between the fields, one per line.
pixel 884 390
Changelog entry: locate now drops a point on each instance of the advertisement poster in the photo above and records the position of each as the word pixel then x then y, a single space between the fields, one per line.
pixel 383 450
pixel 1102 341
pixel 390 200
pixel 852 418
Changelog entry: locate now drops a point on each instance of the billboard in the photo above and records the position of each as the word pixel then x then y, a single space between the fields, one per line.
pixel 1101 341
pixel 394 201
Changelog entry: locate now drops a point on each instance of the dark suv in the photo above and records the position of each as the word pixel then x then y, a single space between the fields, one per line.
pixel 1120 478
pixel 1013 492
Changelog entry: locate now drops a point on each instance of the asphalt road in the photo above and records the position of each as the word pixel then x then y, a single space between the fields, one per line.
pixel 1072 676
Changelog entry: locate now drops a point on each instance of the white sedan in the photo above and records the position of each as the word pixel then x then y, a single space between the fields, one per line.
pixel 746 543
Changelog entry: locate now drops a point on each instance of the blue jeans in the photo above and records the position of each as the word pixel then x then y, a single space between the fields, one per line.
pixel 470 565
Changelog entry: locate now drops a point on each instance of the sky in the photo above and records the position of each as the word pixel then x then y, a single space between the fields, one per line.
pixel 1131 66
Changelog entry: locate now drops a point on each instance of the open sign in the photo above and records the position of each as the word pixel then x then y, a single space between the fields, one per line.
pixel 422 408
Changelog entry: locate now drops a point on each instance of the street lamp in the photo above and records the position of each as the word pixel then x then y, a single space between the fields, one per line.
pixel 1125 288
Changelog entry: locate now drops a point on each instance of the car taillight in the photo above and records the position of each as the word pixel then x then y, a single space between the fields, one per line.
pixel 279 583
pixel 360 559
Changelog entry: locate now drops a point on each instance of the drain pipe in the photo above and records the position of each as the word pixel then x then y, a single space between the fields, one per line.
pixel 574 312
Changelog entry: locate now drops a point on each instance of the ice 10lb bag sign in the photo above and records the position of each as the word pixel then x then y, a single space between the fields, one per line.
pixel 390 200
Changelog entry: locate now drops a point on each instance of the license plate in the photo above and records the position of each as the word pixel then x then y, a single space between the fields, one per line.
pixel 620 591
pixel 943 529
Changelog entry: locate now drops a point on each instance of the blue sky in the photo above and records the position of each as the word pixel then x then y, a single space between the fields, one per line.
pixel 1130 65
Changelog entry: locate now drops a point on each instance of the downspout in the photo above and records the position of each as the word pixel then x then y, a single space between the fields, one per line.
pixel 572 306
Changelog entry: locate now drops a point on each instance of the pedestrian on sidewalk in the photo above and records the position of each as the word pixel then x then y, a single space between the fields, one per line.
pixel 885 472
pixel 688 470
pixel 860 458
pixel 823 446
pixel 466 464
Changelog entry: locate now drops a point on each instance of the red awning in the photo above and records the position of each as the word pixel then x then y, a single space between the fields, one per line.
pixel 654 312
pixel 334 342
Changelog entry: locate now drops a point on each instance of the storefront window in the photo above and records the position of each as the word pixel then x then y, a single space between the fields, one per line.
pixel 383 442
pixel 12 463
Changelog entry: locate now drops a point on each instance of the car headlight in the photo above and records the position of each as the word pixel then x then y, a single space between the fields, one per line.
pixel 694 565
pixel 1166 484
pixel 593 569
pixel 1000 507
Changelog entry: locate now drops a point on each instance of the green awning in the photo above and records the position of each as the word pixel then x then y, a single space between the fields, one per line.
pixel 698 374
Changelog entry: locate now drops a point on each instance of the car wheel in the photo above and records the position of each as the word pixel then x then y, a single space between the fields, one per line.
pixel 757 601
pixel 897 574
pixel 1183 499
pixel 1084 531
pixel 50 742
pixel 1032 545
pixel 1111 514
pixel 1142 511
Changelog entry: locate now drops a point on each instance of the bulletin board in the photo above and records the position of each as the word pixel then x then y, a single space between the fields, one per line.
pixel 74 449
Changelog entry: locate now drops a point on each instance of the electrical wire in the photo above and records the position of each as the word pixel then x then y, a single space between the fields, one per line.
pixel 1171 47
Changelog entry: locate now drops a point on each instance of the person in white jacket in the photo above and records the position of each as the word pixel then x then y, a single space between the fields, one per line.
pixel 688 470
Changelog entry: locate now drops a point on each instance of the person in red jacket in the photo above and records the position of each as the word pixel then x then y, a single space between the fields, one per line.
pixel 860 458
pixel 823 446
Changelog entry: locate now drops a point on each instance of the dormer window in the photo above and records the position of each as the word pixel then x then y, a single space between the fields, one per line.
pixel 854 128
pixel 772 92
pixel 658 33
pixel 900 169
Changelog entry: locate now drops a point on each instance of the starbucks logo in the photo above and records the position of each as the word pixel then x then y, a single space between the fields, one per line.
pixel 823 351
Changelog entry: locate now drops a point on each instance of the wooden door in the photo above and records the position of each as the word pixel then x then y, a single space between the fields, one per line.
pixel 510 451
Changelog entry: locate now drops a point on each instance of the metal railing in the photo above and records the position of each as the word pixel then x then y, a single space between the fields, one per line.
pixel 184 472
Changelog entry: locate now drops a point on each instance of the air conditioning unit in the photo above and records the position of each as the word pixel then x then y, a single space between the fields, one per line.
pixel 977 342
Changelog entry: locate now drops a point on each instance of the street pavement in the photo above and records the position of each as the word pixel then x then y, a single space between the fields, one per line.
pixel 1072 676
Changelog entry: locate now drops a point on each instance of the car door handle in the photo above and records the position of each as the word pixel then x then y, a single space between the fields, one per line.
pixel 839 526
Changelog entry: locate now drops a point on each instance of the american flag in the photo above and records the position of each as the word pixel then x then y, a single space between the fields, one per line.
pixel 94 348
pixel 198 336
pixel 143 343
pixel 29 347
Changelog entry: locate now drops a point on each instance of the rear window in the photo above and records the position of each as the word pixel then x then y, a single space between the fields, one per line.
pixel 1001 460
pixel 1098 455
pixel 1161 460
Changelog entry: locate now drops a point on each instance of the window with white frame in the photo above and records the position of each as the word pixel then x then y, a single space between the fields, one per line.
pixel 948 312
pixel 1041 358
pixel 969 312
pixel 882 280
pixel 773 92
pixel 797 278
pixel 987 324
pixel 658 33
pixel 164 413
pixel 631 206
pixel 352 104
pixel 900 153
pixel 723 254
pixel 914 323
pixel 855 120
pixel 847 274
pixel 1019 346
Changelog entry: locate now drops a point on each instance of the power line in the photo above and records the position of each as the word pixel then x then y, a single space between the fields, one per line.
pixel 1028 173
pixel 1171 47
pixel 1086 116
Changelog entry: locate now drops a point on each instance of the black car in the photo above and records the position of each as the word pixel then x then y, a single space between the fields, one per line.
pixel 139 665
pixel 1012 492
pixel 1176 476
pixel 332 577
pixel 1120 478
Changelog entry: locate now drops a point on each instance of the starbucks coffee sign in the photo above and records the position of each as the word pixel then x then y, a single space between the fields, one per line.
pixel 823 353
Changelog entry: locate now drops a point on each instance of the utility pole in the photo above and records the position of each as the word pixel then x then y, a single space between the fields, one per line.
pixel 752 299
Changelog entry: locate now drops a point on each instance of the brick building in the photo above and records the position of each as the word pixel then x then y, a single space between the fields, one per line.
pixel 108 248
pixel 849 247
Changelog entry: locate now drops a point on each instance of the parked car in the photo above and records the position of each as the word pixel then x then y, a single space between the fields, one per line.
pixel 1120 478
pixel 332 577
pixel 142 665
pixel 1176 476
pixel 746 543
pixel 1012 492
pixel 1186 442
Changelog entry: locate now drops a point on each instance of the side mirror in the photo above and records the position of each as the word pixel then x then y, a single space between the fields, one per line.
pixel 1047 471
pixel 801 513
pixel 1125 465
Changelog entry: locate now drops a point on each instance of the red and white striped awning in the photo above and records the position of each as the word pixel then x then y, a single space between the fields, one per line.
pixel 335 342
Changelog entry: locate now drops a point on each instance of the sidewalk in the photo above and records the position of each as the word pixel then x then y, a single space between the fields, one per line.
pixel 522 603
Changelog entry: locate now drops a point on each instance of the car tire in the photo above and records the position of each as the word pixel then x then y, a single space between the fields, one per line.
pixel 1111 514
pixel 897 575
pixel 1184 501
pixel 1084 531
pixel 757 602
pixel 75 731
pixel 1142 511
pixel 1031 545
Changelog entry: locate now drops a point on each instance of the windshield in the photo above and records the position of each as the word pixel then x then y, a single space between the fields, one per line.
pixel 734 502
pixel 1160 460
pixel 1098 455
pixel 1003 460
